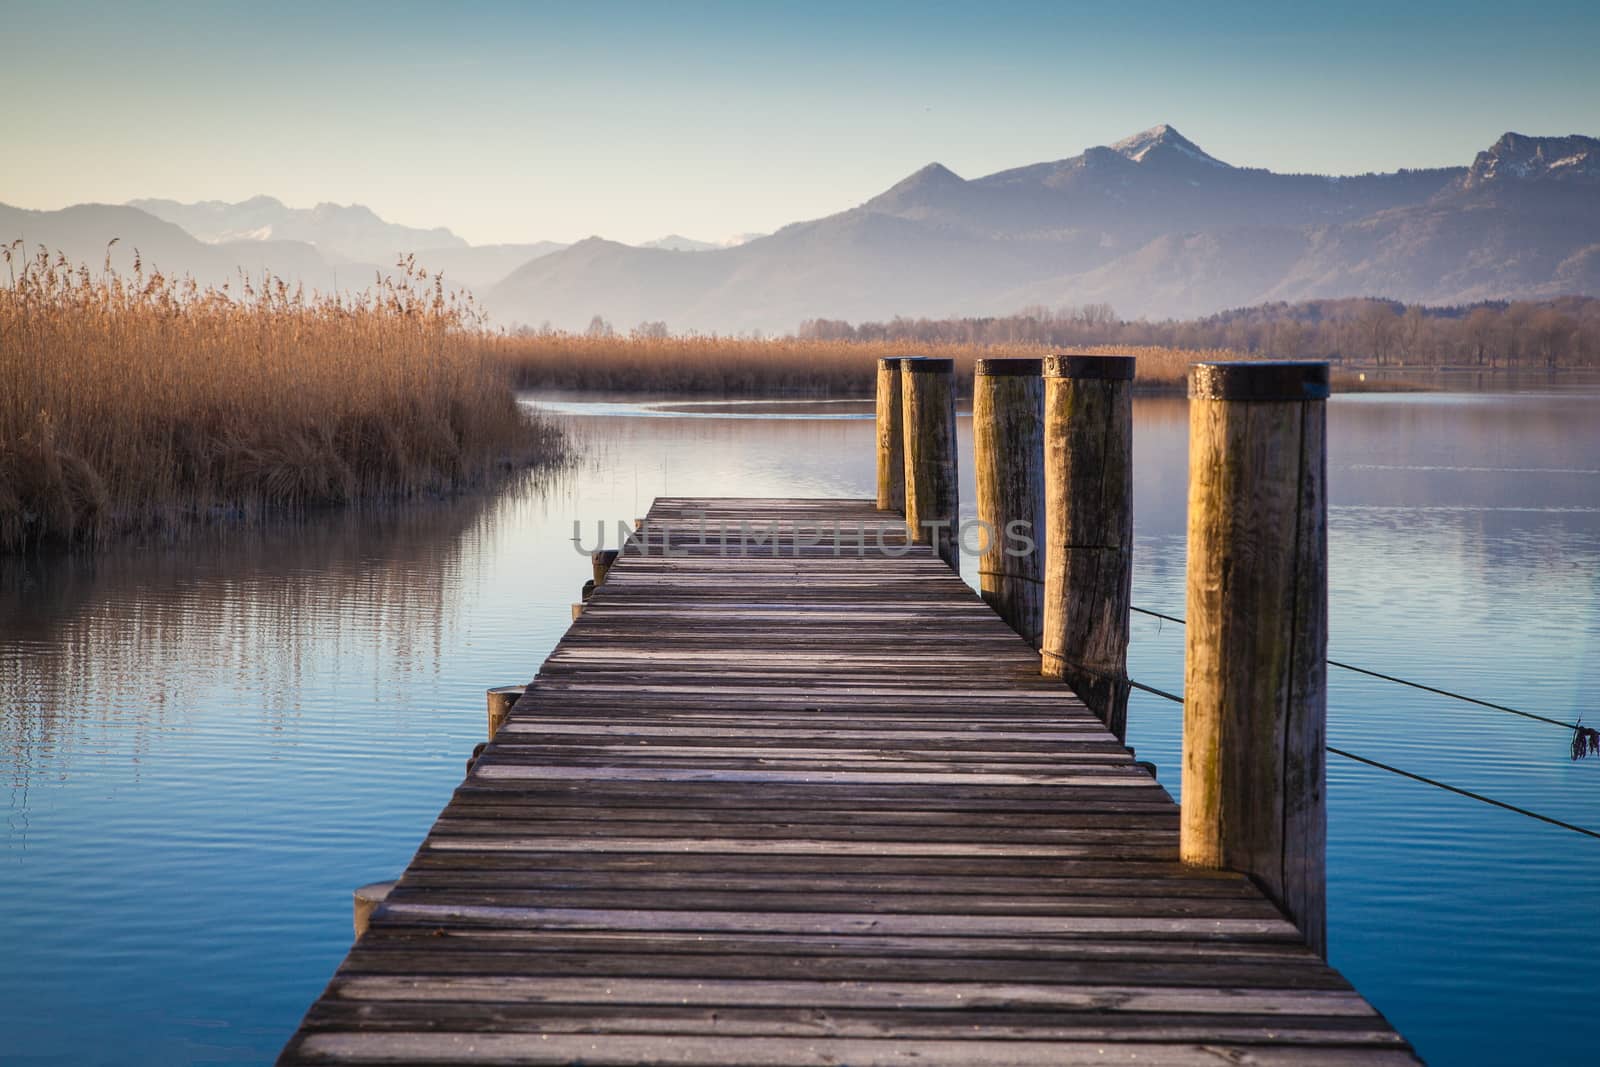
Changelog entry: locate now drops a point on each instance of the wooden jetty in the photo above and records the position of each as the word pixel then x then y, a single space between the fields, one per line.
pixel 806 799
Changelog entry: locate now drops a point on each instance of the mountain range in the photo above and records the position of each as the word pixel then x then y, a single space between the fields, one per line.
pixel 211 240
pixel 1153 225
pixel 347 232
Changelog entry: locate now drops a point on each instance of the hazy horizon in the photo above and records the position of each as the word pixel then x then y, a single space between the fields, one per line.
pixel 514 124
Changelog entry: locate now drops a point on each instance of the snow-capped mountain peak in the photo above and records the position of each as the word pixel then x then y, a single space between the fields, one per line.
pixel 1162 140
pixel 1518 156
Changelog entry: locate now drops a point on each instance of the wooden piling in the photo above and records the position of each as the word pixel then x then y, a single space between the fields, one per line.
pixel 891 438
pixel 601 562
pixel 367 899
pixel 1008 458
pixel 1088 542
pixel 928 413
pixel 1255 675
pixel 501 699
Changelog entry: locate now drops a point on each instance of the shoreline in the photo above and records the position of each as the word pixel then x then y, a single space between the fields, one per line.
pixel 688 398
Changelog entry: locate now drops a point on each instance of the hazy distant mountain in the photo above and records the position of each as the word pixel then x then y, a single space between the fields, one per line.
pixel 480 266
pixel 212 241
pixel 83 231
pixel 676 242
pixel 1153 224
pixel 1522 222
pixel 339 231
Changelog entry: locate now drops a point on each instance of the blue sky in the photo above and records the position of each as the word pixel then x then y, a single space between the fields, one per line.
pixel 514 122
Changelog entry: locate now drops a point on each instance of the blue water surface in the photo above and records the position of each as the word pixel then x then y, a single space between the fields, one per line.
pixel 207 746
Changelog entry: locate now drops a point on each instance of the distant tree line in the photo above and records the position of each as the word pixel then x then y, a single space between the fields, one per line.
pixel 1564 332
pixel 601 327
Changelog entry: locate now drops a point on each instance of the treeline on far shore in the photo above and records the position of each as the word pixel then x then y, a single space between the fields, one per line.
pixel 146 404
pixel 1558 333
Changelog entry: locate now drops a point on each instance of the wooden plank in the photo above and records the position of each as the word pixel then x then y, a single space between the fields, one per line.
pixel 369 1046
pixel 864 995
pixel 999 1022
pixel 816 804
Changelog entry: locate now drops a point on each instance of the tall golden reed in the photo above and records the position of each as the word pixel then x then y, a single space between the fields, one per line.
pixel 147 402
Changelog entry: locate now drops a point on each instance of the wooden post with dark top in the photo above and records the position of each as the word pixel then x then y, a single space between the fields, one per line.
pixel 601 562
pixel 501 700
pixel 1088 543
pixel 928 405
pixel 1255 679
pixel 1008 457
pixel 891 438
pixel 365 902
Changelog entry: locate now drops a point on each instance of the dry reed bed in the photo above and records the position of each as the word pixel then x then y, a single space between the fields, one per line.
pixel 147 403
pixel 725 366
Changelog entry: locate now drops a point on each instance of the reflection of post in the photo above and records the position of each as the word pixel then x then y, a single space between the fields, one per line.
pixel 891 438
pixel 1255 676
pixel 928 403
pixel 1008 457
pixel 1088 543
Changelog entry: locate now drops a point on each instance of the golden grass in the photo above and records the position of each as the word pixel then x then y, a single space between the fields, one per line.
pixel 725 366
pixel 145 403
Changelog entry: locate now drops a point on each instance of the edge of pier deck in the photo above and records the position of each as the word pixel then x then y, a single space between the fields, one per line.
pixel 803 798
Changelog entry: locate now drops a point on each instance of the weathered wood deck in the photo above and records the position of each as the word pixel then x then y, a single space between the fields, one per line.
pixel 817 810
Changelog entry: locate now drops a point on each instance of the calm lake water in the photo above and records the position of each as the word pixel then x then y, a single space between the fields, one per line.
pixel 207 747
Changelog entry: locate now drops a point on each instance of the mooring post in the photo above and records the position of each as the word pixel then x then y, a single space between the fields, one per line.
pixel 928 404
pixel 891 438
pixel 501 699
pixel 601 562
pixel 367 899
pixel 1255 677
pixel 1008 458
pixel 1088 541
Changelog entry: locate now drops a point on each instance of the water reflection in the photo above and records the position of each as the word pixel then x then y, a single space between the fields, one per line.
pixel 208 745
pixel 118 643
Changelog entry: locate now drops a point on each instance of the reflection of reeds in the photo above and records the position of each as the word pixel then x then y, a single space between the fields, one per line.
pixel 726 366
pixel 106 651
pixel 137 403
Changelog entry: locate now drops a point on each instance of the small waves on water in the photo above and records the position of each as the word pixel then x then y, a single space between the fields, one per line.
pixel 208 747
